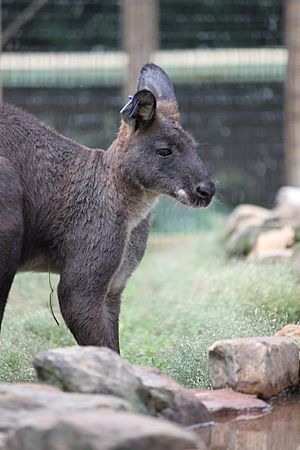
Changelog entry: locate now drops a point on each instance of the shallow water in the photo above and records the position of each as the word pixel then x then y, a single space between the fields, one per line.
pixel 277 430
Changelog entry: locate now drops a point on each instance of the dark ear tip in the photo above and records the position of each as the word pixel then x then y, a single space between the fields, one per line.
pixel 156 80
pixel 152 67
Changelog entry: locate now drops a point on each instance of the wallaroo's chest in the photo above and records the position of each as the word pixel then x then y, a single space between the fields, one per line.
pixel 134 245
pixel 138 211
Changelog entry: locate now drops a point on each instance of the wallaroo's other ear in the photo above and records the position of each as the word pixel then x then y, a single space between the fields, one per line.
pixel 156 80
pixel 139 111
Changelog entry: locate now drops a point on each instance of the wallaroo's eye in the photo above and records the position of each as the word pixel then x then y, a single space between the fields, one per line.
pixel 164 152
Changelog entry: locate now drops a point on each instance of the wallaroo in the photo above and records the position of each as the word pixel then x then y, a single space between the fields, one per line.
pixel 84 213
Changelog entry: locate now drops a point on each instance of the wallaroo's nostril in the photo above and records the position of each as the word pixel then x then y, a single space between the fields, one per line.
pixel 206 190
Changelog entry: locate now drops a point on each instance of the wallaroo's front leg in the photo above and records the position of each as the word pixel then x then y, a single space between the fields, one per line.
pixel 88 317
pixel 133 254
pixel 84 285
pixel 11 229
pixel 111 313
pixel 90 294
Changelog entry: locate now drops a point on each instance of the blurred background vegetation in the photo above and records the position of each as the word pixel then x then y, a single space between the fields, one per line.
pixel 87 25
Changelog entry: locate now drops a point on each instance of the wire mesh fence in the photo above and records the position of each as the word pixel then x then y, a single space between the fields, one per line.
pixel 68 64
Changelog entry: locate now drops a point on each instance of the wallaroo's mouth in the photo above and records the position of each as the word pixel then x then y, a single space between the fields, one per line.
pixel 190 199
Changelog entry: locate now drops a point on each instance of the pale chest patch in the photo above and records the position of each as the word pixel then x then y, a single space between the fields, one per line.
pixel 128 262
pixel 140 211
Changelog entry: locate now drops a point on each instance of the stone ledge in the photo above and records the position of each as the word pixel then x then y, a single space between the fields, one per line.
pixel 226 402
pixel 98 431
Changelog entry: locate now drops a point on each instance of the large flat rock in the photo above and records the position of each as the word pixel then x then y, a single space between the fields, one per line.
pixel 99 370
pixel 17 400
pixel 98 431
pixel 223 402
pixel 93 370
pixel 262 366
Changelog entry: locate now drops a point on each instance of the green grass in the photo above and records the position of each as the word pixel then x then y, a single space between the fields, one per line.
pixel 185 295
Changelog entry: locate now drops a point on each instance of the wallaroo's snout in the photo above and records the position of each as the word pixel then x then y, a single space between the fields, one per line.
pixel 198 194
pixel 205 191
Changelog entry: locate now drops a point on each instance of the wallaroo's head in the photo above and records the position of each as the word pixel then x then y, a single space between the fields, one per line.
pixel 159 154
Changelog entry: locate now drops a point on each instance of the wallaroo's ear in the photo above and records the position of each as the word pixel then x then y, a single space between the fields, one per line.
pixel 156 80
pixel 139 111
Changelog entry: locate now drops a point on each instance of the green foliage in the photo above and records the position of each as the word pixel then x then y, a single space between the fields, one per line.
pixel 29 328
pixel 173 217
pixel 188 360
pixel 187 294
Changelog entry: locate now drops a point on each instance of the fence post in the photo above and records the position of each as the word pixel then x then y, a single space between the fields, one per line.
pixel 292 94
pixel 140 37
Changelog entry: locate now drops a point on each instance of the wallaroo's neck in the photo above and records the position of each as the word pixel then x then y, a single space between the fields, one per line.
pixel 115 157
pixel 114 164
pixel 136 197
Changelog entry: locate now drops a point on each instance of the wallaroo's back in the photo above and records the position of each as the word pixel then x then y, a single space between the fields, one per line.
pixel 38 153
pixel 85 213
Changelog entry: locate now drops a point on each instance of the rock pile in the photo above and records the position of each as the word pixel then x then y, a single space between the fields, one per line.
pixel 98 402
pixel 260 233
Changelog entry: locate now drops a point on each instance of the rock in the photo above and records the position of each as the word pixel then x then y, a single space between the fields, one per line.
pixel 288 195
pixel 222 402
pixel 3 437
pixel 246 215
pixel 265 233
pixel 296 227
pixel 274 243
pixel 170 400
pixel 16 400
pixel 285 213
pixel 292 331
pixel 153 377
pixel 287 205
pixel 92 370
pixel 276 253
pixel 262 366
pixel 242 241
pixel 98 431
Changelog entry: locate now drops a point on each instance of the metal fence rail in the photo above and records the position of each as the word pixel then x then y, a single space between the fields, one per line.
pixel 109 68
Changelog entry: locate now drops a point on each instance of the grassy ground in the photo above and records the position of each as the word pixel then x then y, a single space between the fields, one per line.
pixel 183 297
